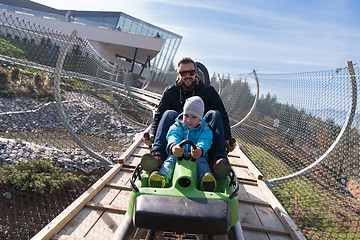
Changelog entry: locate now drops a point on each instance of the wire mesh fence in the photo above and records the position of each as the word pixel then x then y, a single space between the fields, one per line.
pixel 56 92
pixel 67 114
pixel 303 135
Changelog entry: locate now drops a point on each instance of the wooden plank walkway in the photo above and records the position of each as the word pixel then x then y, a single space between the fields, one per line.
pixel 97 213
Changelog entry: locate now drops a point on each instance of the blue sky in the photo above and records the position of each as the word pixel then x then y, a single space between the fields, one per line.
pixel 236 36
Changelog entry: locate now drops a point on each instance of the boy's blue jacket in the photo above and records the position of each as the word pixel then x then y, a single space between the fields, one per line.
pixel 201 135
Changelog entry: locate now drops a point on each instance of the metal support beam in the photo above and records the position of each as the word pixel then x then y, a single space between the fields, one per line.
pixel 147 62
pixel 133 62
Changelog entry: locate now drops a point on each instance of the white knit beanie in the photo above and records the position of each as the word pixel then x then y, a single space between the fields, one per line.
pixel 194 106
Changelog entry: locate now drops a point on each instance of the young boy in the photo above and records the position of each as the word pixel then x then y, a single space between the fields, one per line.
pixel 188 125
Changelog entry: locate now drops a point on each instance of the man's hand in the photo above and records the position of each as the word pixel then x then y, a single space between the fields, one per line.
pixel 230 145
pixel 177 150
pixel 196 153
pixel 147 138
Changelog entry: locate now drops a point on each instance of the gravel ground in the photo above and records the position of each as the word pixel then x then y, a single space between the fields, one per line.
pixel 87 115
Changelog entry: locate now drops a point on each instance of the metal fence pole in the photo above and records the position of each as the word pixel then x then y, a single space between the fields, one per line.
pixel 59 106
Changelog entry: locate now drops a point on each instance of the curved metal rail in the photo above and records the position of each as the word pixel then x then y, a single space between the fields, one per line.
pixel 117 108
pixel 60 107
pixel 254 104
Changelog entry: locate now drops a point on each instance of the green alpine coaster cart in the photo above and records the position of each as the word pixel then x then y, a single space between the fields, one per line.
pixel 181 210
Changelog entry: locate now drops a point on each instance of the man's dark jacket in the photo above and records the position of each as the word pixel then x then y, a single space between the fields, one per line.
pixel 173 98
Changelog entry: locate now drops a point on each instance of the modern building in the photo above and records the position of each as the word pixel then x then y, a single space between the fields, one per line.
pixel 133 44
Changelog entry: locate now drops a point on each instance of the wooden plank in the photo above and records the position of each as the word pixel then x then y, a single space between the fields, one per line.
pixel 253 235
pixel 127 153
pixel 105 196
pixel 65 216
pixel 75 228
pixel 274 236
pixel 234 159
pixel 65 237
pixel 136 155
pixel 233 154
pixel 253 202
pixel 122 178
pixel 260 228
pixel 284 217
pixel 128 169
pixel 133 161
pixel 247 214
pixel 238 165
pixel 247 162
pixel 140 151
pixel 244 173
pixel 106 207
pixel 119 187
pixel 105 226
pixel 247 181
pixel 242 193
pixel 84 225
pixel 269 218
pixel 255 193
pixel 122 200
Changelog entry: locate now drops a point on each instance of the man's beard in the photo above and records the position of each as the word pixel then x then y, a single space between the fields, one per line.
pixel 188 87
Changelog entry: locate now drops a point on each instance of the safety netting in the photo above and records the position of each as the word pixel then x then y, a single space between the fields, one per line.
pixel 66 115
pixel 301 130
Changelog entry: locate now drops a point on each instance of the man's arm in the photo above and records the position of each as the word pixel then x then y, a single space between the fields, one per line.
pixel 164 105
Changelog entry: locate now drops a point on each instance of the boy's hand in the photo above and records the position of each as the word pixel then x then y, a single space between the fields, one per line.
pixel 196 153
pixel 177 150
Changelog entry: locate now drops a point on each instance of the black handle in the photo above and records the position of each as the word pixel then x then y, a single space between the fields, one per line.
pixel 235 182
pixel 136 174
pixel 187 141
pixel 183 143
pixel 146 136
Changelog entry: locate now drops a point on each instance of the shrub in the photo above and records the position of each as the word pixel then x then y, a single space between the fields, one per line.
pixel 7 93
pixel 4 80
pixel 39 82
pixel 15 74
pixel 38 176
pixel 44 95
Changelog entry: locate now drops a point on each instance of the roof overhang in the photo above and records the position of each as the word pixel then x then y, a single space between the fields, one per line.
pixel 128 45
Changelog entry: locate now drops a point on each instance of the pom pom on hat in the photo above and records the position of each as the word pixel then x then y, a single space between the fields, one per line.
pixel 194 106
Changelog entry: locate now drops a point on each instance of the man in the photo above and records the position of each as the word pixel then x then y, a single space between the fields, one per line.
pixel 171 105
pixel 69 16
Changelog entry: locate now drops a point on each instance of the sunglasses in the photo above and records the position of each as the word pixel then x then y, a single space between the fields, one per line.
pixel 184 73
